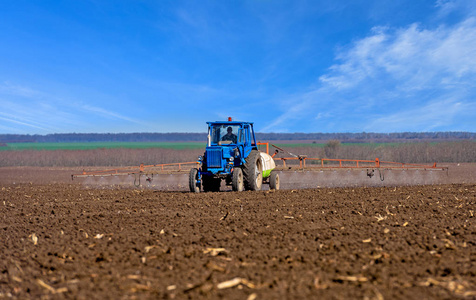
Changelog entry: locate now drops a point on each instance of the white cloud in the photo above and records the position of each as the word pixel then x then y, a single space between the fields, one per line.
pixel 411 57
pixel 446 7
pixel 398 75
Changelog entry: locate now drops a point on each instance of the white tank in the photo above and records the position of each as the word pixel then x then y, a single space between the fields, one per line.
pixel 268 164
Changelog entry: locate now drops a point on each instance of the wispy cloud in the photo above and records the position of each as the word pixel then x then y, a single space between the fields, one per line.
pixel 28 110
pixel 23 123
pixel 104 113
pixel 429 117
pixel 412 73
pixel 25 115
pixel 10 88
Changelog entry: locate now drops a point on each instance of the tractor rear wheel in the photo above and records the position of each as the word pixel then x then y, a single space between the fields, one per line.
pixel 274 180
pixel 211 184
pixel 192 180
pixel 253 171
pixel 237 181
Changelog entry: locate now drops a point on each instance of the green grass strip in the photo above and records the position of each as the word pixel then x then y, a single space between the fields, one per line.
pixel 103 145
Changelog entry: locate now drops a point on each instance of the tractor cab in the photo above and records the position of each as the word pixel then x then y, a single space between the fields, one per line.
pixel 224 134
pixel 229 143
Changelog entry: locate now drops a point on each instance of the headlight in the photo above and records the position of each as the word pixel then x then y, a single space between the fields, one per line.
pixel 231 159
pixel 200 158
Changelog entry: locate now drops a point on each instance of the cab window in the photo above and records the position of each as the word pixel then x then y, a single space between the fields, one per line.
pixel 224 134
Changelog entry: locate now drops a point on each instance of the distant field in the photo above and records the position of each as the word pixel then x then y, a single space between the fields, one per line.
pixel 164 145
pixel 102 145
pixel 152 145
pixel 133 153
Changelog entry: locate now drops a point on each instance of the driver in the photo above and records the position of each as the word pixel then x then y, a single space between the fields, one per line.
pixel 229 136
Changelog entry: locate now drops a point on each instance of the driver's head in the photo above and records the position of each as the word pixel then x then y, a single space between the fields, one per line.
pixel 229 130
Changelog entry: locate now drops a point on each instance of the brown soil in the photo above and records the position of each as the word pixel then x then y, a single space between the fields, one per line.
pixel 65 240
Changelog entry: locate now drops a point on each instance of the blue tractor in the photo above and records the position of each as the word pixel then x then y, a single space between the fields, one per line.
pixel 232 155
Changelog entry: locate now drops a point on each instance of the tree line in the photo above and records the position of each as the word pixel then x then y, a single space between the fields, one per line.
pixel 195 137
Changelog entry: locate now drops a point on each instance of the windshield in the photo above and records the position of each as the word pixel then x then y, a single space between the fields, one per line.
pixel 224 134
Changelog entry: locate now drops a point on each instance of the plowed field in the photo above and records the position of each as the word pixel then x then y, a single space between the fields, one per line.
pixel 64 240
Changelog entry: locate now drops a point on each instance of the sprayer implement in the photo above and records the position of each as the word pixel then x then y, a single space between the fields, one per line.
pixel 232 155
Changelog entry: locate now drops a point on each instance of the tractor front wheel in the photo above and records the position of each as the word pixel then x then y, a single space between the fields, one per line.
pixel 253 171
pixel 237 181
pixel 193 181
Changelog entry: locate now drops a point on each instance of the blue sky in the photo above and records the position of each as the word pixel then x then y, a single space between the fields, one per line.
pixel 289 66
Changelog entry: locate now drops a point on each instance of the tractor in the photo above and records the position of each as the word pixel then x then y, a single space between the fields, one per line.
pixel 232 155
